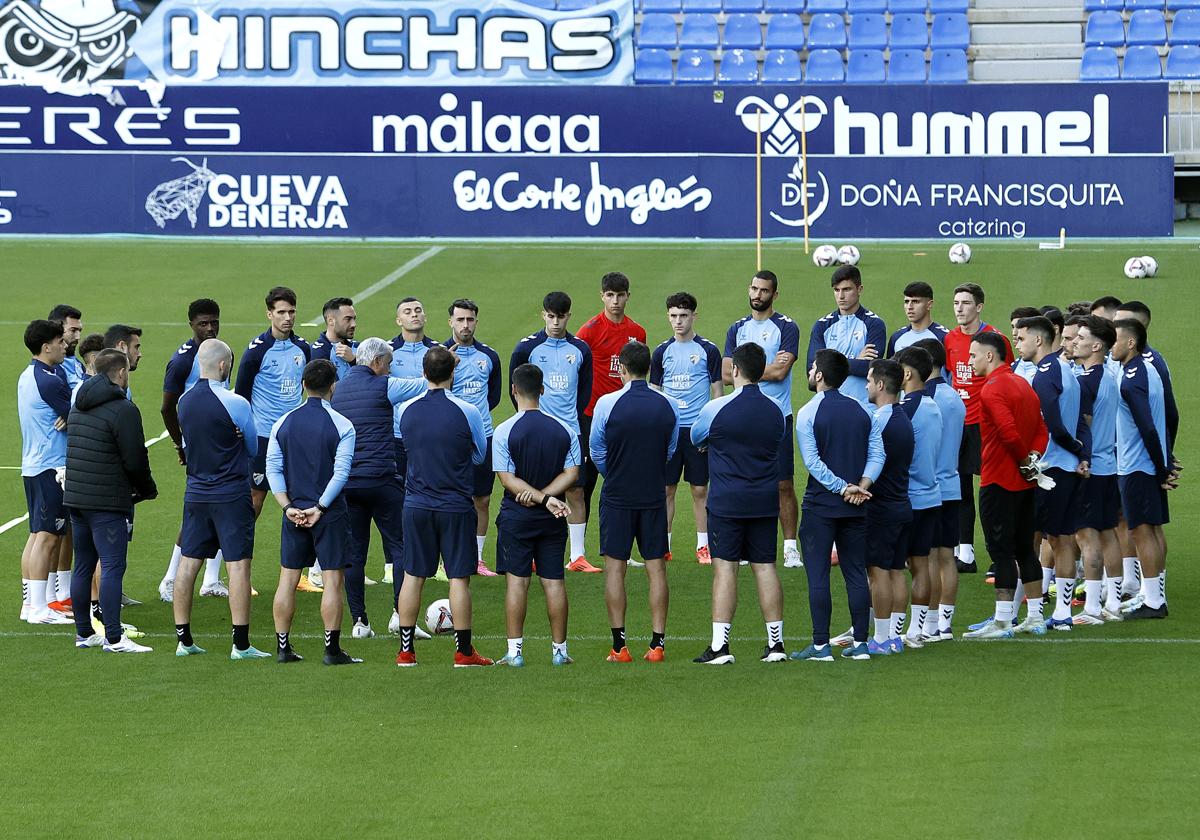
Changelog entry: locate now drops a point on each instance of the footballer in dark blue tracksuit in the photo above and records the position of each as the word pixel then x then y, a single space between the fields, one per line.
pixel 841 452
pixel 634 434
pixel 741 432
pixel 220 440
pixel 337 341
pixel 444 440
pixel 309 455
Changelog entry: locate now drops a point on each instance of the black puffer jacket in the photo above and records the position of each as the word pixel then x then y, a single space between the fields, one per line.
pixel 107 465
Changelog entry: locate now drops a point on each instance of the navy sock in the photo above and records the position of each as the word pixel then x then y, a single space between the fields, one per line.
pixel 282 642
pixel 183 632
pixel 333 641
pixel 462 638
pixel 658 640
pixel 241 636
pixel 406 639
pixel 618 638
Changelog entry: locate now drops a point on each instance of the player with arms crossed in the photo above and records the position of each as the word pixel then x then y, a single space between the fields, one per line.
pixel 537 459
pixel 687 368
pixel 853 330
pixel 337 343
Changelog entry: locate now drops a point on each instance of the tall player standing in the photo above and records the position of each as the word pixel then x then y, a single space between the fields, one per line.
pixel 337 343
pixel 59 582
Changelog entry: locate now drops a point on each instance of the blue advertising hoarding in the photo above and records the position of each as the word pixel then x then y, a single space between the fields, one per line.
pixel 896 161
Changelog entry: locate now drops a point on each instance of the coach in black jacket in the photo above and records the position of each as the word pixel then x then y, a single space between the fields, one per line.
pixel 107 472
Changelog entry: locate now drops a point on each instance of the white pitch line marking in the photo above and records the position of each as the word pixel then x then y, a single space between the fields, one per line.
pixel 387 280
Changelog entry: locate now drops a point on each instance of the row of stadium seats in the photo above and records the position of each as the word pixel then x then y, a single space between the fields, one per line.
pixel 698 67
pixel 854 7
pixel 1172 5
pixel 786 31
pixel 1107 29
pixel 1142 63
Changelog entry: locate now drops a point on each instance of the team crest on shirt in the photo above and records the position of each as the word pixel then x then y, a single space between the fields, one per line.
pixel 482 365
pixel 694 358
pixel 764 335
pixel 297 360
pixel 570 358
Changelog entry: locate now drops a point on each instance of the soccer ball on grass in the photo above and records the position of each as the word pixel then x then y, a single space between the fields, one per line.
pixel 960 253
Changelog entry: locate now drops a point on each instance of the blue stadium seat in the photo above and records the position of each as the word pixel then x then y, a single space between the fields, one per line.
pixel 785 32
pixel 781 67
pixel 950 32
pixel 1175 5
pixel 948 67
pixel 742 5
pixel 906 67
pixel 742 32
pixel 657 30
pixel 824 67
pixel 819 6
pixel 1142 64
pixel 738 67
pixel 1105 29
pixel 1132 5
pixel 575 5
pixel 652 67
pixel 671 6
pixel 1183 62
pixel 1185 28
pixel 909 32
pixel 907 7
pixel 868 32
pixel 941 7
pixel 826 31
pixel 775 7
pixel 711 6
pixel 1099 64
pixel 866 7
pixel 1098 5
pixel 542 4
pixel 699 32
pixel 864 67
pixel 695 68
pixel 1147 27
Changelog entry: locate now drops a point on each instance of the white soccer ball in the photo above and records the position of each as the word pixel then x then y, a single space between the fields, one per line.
pixel 1135 269
pixel 1151 265
pixel 848 255
pixel 824 256
pixel 960 253
pixel 438 619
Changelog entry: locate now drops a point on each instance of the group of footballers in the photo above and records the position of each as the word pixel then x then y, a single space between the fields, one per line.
pixel 1072 438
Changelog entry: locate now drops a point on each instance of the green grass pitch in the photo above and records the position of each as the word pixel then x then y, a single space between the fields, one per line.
pixel 1090 735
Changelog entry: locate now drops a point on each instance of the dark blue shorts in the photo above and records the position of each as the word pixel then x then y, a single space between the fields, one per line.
pixel 887 544
pixel 947 527
pixel 1056 511
pixel 329 540
pixel 921 533
pixel 430 534
pixel 785 458
pixel 1143 500
pixel 619 527
pixel 258 467
pixel 529 540
pixel 208 526
pixel 688 462
pixel 753 539
pixel 585 455
pixel 44 498
pixel 484 479
pixel 1099 502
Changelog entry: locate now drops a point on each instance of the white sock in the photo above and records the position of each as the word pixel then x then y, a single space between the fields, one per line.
pixel 720 635
pixel 1066 593
pixel 965 553
pixel 789 544
pixel 1129 566
pixel 1155 592
pixel 1112 601
pixel 64 584
pixel 51 587
pixel 668 540
pixel 918 619
pixel 930 627
pixel 701 539
pixel 1035 609
pixel 577 539
pixel 945 617
pixel 25 584
pixel 173 566
pixel 514 646
pixel 1047 574
pixel 479 541
pixel 774 633
pixel 897 622
pixel 1017 598
pixel 558 647
pixel 1091 600
pixel 212 570
pixel 883 630
pixel 1004 613
pixel 316 566
pixel 37 596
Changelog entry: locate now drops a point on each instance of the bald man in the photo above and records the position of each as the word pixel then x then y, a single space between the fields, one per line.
pixel 220 442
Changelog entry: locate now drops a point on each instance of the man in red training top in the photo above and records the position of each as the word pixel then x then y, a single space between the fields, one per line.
pixel 605 333
pixel 1013 437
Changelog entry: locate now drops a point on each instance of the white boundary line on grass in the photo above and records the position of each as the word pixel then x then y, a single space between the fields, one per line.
pixel 387 280
pixel 13 523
